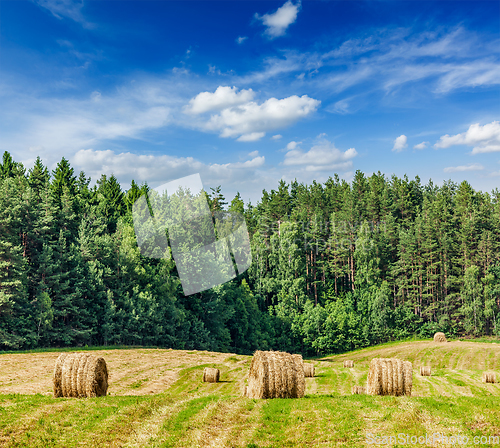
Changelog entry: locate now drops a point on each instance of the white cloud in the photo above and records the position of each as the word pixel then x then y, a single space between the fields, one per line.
pixel 276 137
pixel 252 137
pixel 222 98
pixel 253 154
pixel 241 39
pixel 281 19
pixel 157 169
pixel 65 8
pixel 456 169
pixel 422 145
pixel 321 157
pixel 292 145
pixel 484 139
pixel 255 119
pixel 400 143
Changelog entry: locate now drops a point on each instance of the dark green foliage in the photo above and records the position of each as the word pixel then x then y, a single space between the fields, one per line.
pixel 334 266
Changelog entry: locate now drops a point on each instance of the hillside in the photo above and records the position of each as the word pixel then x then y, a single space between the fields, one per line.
pixel 156 398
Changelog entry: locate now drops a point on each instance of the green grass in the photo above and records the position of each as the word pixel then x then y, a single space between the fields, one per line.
pixel 452 401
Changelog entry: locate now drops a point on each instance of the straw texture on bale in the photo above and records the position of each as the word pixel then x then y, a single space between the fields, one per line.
pixel 489 377
pixel 348 364
pixel 358 390
pixel 425 371
pixel 276 375
pixel 308 370
pixel 301 382
pixel 78 375
pixel 439 337
pixel 211 375
pixel 389 376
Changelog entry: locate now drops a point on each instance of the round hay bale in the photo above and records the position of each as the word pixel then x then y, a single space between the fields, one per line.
pixel 348 364
pixel 374 380
pixel 96 377
pixel 425 371
pixel 78 375
pixel 300 370
pixel 211 375
pixel 439 337
pixel 308 370
pixel 358 390
pixel 408 377
pixel 489 377
pixel 275 375
pixel 386 376
pixel 57 380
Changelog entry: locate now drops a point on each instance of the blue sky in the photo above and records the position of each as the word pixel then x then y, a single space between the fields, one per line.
pixel 247 93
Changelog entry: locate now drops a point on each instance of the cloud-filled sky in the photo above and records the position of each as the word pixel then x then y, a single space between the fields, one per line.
pixel 247 93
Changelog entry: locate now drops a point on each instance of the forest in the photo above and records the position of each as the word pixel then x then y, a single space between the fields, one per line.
pixel 335 266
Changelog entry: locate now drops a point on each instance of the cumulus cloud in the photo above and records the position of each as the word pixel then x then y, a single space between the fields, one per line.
pixel 456 169
pixel 280 20
pixel 484 139
pixel 276 137
pixel 321 157
pixel 160 168
pixel 400 143
pixel 222 98
pixel 422 145
pixel 251 120
pixel 241 39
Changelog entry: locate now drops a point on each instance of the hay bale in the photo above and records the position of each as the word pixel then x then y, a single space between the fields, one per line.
pixel 308 370
pixel 358 390
pixel 211 375
pixel 301 382
pixel 349 364
pixel 58 375
pixel 408 377
pixel 389 376
pixel 276 375
pixel 439 337
pixel 489 377
pixel 78 375
pixel 425 371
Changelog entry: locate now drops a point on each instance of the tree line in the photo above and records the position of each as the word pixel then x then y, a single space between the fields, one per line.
pixel 335 266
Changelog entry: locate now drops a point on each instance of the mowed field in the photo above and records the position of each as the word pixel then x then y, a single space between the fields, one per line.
pixel 156 399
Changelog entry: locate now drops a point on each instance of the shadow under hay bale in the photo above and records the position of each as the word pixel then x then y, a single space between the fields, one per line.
pixel 389 376
pixel 425 371
pixel 489 377
pixel 78 375
pixel 211 375
pixel 308 370
pixel 349 364
pixel 276 375
pixel 358 390
pixel 440 337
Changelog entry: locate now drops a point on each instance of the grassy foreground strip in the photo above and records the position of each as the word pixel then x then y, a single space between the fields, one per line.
pixel 187 413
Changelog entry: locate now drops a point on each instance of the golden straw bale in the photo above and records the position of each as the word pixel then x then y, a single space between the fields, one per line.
pixel 79 375
pixel 348 364
pixel 439 337
pixel 275 375
pixel 308 370
pixel 489 377
pixel 211 375
pixel 300 371
pixel 58 375
pixel 386 376
pixel 358 390
pixel 408 377
pixel 425 370
pixel 97 377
